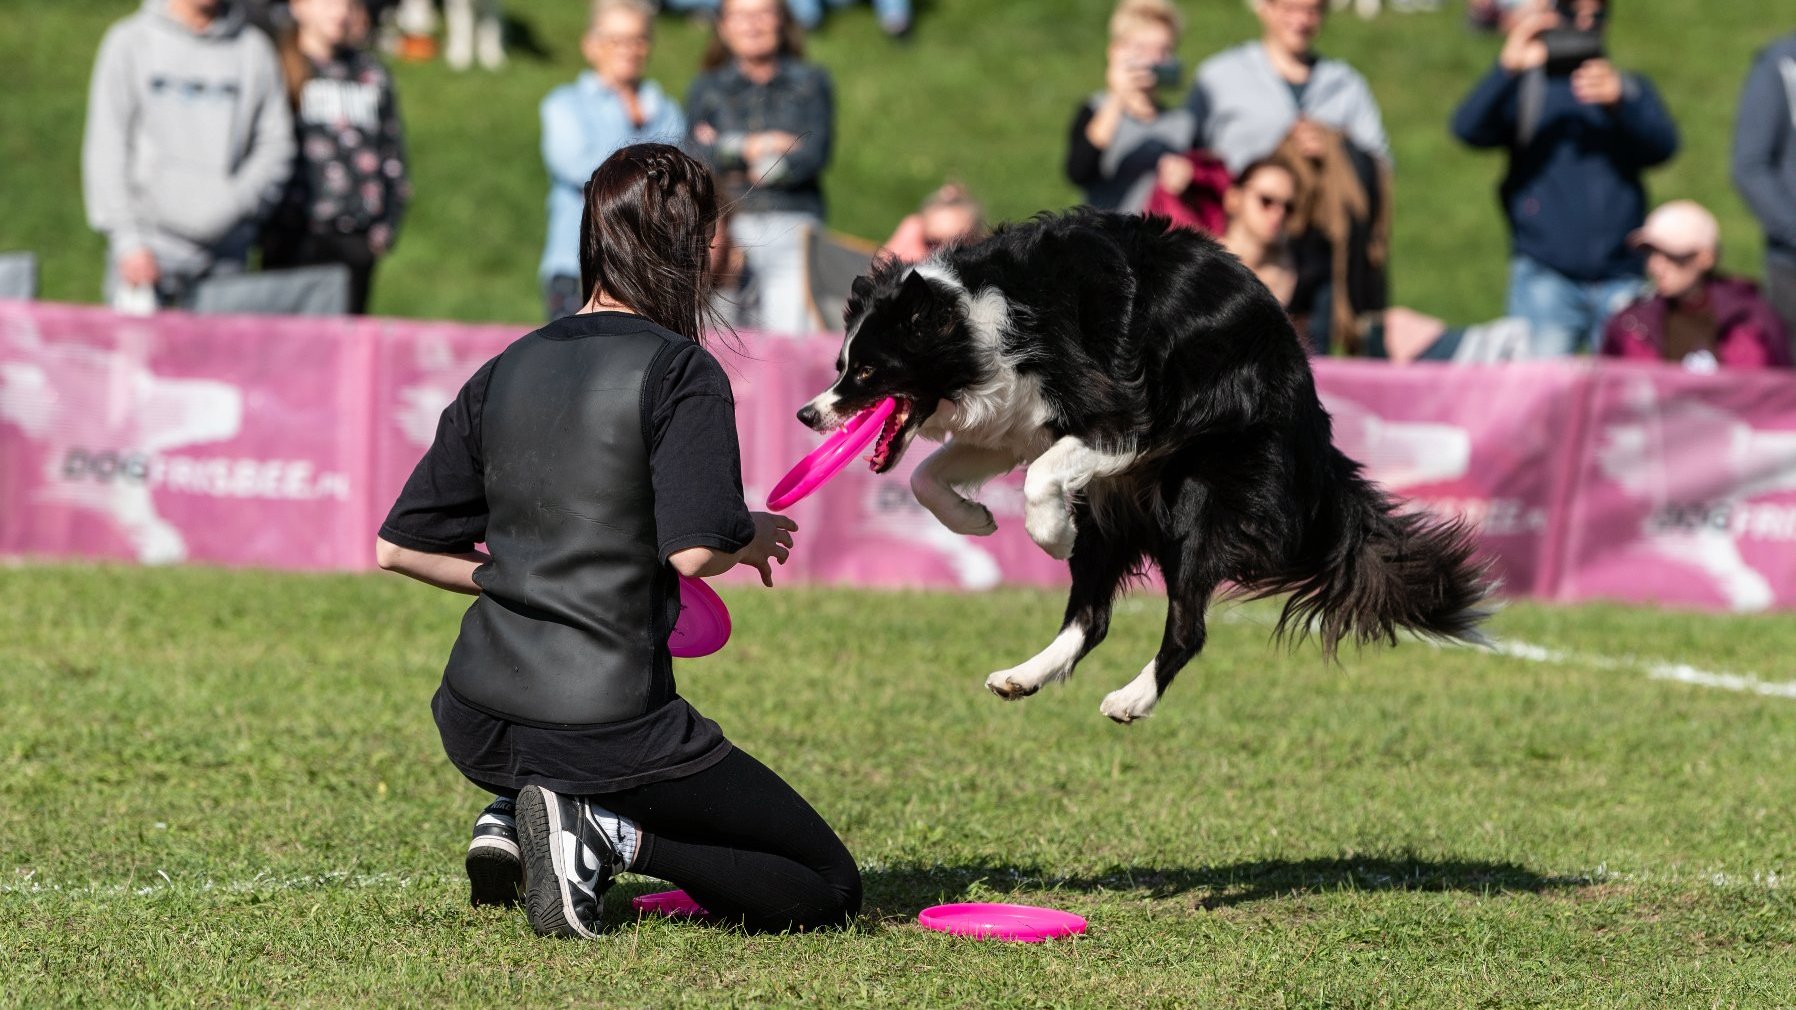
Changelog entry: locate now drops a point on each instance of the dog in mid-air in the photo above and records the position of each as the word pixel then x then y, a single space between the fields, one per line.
pixel 1165 409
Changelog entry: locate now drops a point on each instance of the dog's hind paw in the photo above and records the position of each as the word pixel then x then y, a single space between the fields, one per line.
pixel 1127 704
pixel 974 520
pixel 1002 685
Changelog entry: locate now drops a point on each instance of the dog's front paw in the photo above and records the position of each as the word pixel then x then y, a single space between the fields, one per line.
pixel 972 520
pixel 1129 703
pixel 1052 530
pixel 1008 685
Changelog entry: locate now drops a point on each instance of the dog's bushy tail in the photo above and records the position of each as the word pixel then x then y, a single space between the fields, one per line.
pixel 1387 570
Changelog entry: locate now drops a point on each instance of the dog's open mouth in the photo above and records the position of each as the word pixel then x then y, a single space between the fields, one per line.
pixel 892 438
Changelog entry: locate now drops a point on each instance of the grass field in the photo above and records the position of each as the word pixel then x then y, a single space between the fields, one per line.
pixel 983 93
pixel 224 788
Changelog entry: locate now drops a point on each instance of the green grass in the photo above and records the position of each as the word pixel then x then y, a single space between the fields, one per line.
pixel 984 93
pixel 223 788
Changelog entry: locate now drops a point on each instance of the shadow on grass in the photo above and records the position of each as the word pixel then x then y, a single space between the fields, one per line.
pixel 894 894
pixel 905 886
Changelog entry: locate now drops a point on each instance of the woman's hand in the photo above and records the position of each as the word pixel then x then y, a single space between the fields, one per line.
pixel 1175 173
pixel 772 542
pixel 1129 81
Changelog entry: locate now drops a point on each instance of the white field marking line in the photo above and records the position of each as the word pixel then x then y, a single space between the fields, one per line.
pixel 1769 880
pixel 258 884
pixel 1655 669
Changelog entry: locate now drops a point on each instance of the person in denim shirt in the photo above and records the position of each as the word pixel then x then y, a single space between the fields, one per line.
pixel 608 107
pixel 1578 144
pixel 764 120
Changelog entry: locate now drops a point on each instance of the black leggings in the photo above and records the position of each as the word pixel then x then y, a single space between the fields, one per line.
pixel 744 844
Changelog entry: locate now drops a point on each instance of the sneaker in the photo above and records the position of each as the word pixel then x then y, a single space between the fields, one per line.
pixel 495 868
pixel 568 863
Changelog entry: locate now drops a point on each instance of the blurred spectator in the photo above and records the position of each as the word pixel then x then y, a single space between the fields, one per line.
pixel 187 143
pixel 1122 136
pixel 349 189
pixel 894 15
pixel 1765 166
pixel 473 28
pixel 1579 134
pixel 764 119
pixel 1695 316
pixel 948 216
pixel 1259 207
pixel 1247 99
pixel 607 107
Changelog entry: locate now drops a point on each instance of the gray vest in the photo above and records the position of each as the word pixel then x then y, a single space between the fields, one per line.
pixel 576 605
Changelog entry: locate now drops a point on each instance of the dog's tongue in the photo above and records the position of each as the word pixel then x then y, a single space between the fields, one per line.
pixel 887 432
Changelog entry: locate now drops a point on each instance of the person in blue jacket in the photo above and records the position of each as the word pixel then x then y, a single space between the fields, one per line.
pixel 1765 166
pixel 606 108
pixel 1580 133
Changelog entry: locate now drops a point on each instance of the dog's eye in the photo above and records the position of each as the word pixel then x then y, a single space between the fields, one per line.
pixel 863 373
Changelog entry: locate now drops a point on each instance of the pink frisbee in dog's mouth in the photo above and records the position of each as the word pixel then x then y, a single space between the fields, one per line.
pixel 993 921
pixel 883 418
pixel 675 904
pixel 704 622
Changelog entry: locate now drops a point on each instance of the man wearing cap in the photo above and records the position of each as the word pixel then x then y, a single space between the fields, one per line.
pixel 1695 317
pixel 1765 166
pixel 1580 132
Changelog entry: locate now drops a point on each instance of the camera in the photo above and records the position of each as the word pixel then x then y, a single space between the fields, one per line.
pixel 1167 73
pixel 1569 46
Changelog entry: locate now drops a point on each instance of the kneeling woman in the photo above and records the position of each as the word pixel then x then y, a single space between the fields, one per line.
pixel 595 458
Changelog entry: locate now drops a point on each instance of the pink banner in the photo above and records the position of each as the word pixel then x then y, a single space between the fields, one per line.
pixel 239 440
pixel 1686 490
pixel 281 442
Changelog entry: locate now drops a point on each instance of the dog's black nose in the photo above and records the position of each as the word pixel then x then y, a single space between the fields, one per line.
pixel 808 416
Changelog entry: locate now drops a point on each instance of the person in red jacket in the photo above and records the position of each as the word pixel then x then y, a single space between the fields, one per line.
pixel 1695 317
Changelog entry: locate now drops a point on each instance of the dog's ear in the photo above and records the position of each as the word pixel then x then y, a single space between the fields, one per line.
pixel 861 289
pixel 917 296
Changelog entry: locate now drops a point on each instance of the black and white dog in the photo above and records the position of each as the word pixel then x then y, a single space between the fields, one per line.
pixel 1166 412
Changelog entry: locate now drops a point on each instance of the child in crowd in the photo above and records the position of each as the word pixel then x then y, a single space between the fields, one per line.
pixel 349 188
pixel 596 459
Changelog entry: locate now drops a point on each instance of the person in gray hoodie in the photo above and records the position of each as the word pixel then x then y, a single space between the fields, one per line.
pixel 1247 99
pixel 1765 166
pixel 189 140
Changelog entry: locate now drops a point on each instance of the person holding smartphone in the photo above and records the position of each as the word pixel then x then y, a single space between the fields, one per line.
pixel 1580 134
pixel 1123 140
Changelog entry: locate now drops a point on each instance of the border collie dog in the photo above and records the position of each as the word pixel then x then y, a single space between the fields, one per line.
pixel 1165 410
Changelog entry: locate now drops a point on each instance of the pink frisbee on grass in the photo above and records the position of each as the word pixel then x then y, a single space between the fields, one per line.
pixel 983 920
pixel 828 459
pixel 704 622
pixel 674 904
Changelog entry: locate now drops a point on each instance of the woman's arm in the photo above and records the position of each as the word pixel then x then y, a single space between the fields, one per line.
pixel 454 572
pixel 772 542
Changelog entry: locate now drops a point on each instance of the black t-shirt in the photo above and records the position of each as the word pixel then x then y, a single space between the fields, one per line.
pixel 695 464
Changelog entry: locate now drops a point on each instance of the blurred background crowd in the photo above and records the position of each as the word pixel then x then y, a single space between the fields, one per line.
pixel 251 155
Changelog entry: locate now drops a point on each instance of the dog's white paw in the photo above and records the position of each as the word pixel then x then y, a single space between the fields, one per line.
pixel 1052 529
pixel 1130 702
pixel 1011 685
pixel 971 520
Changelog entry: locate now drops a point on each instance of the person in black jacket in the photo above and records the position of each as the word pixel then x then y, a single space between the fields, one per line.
pixel 597 458
pixel 1580 133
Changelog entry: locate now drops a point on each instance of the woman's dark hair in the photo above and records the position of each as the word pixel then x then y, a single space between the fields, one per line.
pixel 1259 165
pixel 645 236
pixel 791 39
